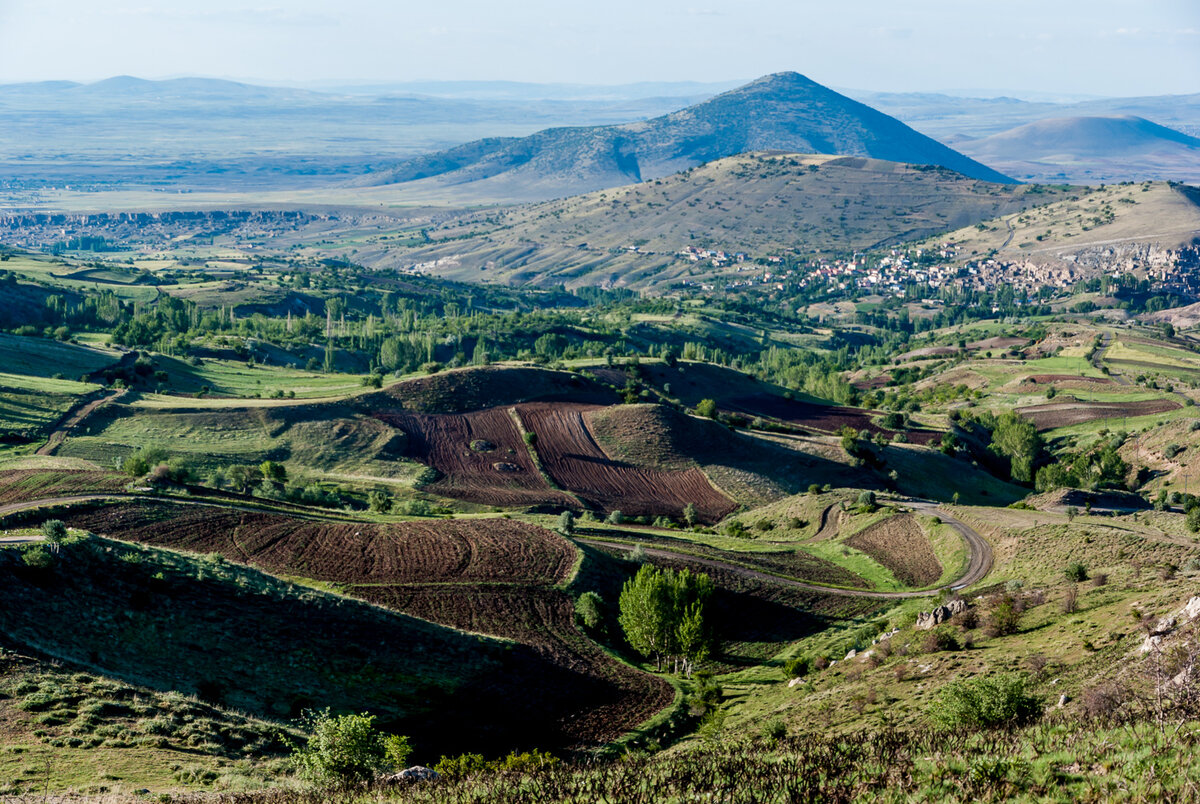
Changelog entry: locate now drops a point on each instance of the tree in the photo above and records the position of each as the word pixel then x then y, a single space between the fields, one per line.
pixel 274 472
pixel 707 408
pixel 1016 438
pixel 692 637
pixel 55 533
pixel 566 523
pixel 645 613
pixel 243 478
pixel 589 607
pixel 690 516
pixel 662 615
pixel 141 462
pixel 346 749
pixel 379 502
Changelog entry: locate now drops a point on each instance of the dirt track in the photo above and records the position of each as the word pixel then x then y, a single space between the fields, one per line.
pixel 73 419
pixel 978 565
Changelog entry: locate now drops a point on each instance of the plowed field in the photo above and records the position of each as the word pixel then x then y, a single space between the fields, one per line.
pixel 899 544
pixel 826 418
pixel 37 484
pixel 489 576
pixel 575 461
pixel 1048 417
pixel 457 551
pixel 497 470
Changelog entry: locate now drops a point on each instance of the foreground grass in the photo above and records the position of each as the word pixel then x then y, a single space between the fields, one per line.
pixel 1051 762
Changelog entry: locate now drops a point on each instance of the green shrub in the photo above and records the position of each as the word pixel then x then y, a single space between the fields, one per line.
pixel 1076 572
pixel 37 556
pixel 774 729
pixel 1005 616
pixel 797 667
pixel 589 607
pixel 990 702
pixel 460 767
pixel 345 749
pixel 867 502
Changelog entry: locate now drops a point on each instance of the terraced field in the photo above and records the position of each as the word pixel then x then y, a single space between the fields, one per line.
pixel 37 484
pixel 900 544
pixel 571 456
pixel 488 576
pixel 481 457
pixel 233 636
pixel 348 553
pixel 825 418
pixel 1065 414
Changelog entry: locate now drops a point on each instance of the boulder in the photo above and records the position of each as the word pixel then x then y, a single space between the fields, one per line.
pixel 417 773
pixel 795 682
pixel 1151 643
pixel 1164 626
pixel 1192 609
pixel 931 619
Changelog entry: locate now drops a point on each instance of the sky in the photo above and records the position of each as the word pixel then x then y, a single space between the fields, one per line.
pixel 1093 47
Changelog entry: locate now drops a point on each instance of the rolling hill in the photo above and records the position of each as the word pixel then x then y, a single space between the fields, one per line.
pixel 1111 148
pixel 785 111
pixel 759 203
pixel 1086 232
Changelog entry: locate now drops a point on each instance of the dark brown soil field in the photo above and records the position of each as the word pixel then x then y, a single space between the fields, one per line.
pixel 463 390
pixel 38 484
pixel 575 461
pixel 497 470
pixel 1039 383
pixel 488 576
pixel 826 418
pixel 543 619
pixel 436 551
pixel 689 382
pixel 998 342
pixel 899 544
pixel 1048 417
pixel 235 637
pixel 882 381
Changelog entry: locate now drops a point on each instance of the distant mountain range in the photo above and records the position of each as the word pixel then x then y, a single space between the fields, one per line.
pixel 1118 148
pixel 526 141
pixel 781 112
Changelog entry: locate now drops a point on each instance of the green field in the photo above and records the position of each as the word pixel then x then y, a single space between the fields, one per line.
pixel 232 378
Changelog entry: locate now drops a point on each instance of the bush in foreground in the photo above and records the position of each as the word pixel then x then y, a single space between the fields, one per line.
pixel 991 702
pixel 346 749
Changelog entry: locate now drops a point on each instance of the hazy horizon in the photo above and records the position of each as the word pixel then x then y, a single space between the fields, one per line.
pixel 1103 49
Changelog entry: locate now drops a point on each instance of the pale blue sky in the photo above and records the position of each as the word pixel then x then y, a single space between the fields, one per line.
pixel 1103 47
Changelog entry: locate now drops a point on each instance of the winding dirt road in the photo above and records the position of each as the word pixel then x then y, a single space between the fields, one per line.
pixel 979 561
pixel 74 418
